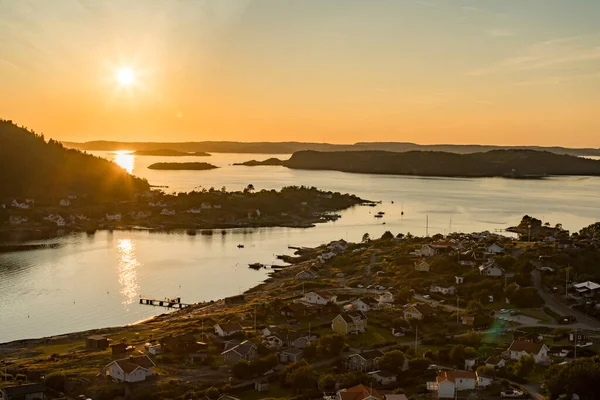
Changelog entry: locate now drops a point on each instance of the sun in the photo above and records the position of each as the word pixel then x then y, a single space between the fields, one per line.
pixel 125 76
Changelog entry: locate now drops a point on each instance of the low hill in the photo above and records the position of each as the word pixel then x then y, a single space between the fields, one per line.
pixel 506 163
pixel 169 153
pixel 291 147
pixel 32 166
pixel 192 166
pixel 269 161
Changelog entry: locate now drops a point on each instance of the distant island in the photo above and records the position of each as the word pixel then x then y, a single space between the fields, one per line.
pixel 191 166
pixel 269 161
pixel 292 147
pixel 518 164
pixel 169 153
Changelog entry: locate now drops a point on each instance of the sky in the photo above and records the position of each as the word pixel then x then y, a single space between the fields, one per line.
pixel 509 72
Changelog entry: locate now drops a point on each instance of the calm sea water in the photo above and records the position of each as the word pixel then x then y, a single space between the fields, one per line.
pixel 92 282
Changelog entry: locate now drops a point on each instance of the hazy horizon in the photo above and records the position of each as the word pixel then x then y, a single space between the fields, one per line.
pixel 490 72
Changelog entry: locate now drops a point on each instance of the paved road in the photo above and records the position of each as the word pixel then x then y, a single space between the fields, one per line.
pixel 558 307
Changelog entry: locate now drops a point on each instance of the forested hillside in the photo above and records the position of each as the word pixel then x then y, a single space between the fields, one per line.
pixel 508 163
pixel 31 166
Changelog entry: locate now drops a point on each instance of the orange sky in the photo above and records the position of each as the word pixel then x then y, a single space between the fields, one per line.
pixel 340 71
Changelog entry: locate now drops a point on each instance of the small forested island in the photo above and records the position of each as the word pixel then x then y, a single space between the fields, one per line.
pixel 269 161
pixel 482 307
pixel 169 153
pixel 190 166
pixel 517 164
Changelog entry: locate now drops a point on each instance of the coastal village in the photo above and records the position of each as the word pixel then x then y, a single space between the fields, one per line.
pixel 474 316
pixel 199 211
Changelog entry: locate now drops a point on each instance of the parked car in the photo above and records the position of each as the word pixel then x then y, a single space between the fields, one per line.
pixel 427 297
pixel 511 393
pixel 504 311
pixel 359 286
pixel 433 367
pixel 514 312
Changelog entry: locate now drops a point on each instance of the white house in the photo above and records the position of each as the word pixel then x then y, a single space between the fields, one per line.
pixel 113 217
pixel 64 203
pixel 443 290
pixel 587 288
pixel 205 206
pixel 328 255
pixel 449 382
pixel 484 380
pixel 495 362
pixel 426 251
pixel 470 363
pixel 386 297
pixel 23 206
pixel 194 211
pixel 321 298
pixel 166 211
pixel 365 305
pixel 157 204
pixel 519 348
pixel 17 220
pixel 131 369
pixel 495 249
pixel 228 329
pixel 459 280
pixel 491 269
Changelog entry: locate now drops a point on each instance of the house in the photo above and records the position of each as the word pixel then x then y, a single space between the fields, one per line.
pixel 228 397
pixel 359 392
pixel 185 343
pixel 205 206
pixel 243 351
pixel 365 305
pixel 261 386
pixel 17 220
pixel 443 290
pixel 23 206
pixel 495 249
pixel 64 203
pixel 577 336
pixel 364 361
pixel 96 342
pixel 228 329
pixel 484 380
pixel 495 362
pixel 118 349
pixel 32 391
pixel 426 251
pixel 326 256
pixel 467 320
pixel 290 355
pixel 587 289
pixel 449 382
pixel 470 363
pixel 459 280
pixel 307 274
pixel 418 311
pixel 157 204
pixel 396 397
pixel 194 211
pixel 297 310
pixel 564 243
pixel 140 214
pixel 386 297
pixel 321 298
pixel 384 378
pixel 166 211
pixel 113 217
pixel 131 369
pixel 491 269
pixel 519 348
pixel 422 266
pixel 352 322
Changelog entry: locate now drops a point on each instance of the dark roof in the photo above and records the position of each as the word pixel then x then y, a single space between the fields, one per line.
pixel 25 389
pixel 130 364
pixel 96 337
pixel 371 354
pixel 528 347
pixel 494 360
pixel 242 349
pixel 231 327
pixel 292 350
pixel 424 309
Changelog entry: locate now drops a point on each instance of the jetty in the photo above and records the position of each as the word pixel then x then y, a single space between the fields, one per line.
pixel 170 303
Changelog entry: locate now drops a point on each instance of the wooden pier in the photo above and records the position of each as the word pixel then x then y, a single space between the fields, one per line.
pixel 170 303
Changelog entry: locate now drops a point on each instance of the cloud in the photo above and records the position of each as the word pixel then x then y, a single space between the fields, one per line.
pixel 501 32
pixel 567 50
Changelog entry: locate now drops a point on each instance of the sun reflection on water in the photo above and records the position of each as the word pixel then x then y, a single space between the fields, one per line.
pixel 127 269
pixel 125 159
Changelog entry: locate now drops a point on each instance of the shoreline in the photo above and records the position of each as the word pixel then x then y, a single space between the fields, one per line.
pixel 175 314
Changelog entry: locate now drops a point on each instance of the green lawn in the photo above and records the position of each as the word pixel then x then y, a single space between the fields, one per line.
pixel 373 337
pixel 536 313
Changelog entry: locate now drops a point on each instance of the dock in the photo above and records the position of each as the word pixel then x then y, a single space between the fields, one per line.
pixel 170 303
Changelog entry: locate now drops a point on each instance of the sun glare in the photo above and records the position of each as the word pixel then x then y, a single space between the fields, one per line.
pixel 125 76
